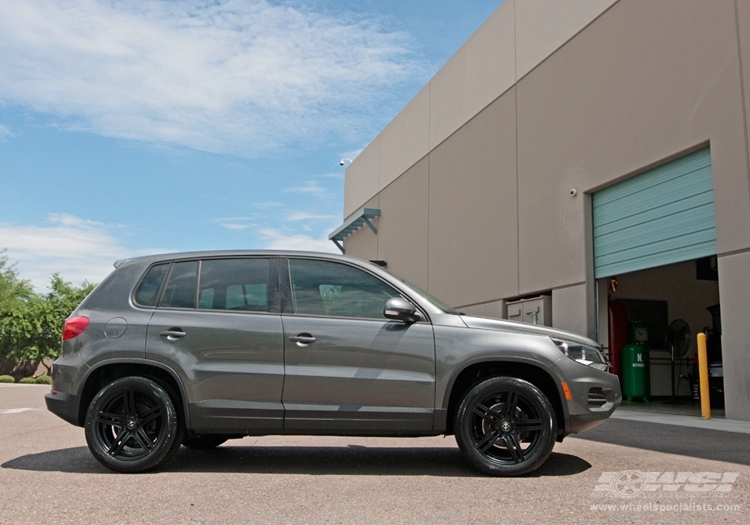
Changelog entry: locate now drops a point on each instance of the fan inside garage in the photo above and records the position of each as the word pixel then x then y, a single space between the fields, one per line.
pixel 678 344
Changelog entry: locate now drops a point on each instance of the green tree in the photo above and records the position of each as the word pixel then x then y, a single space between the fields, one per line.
pixel 13 290
pixel 32 329
pixel 13 293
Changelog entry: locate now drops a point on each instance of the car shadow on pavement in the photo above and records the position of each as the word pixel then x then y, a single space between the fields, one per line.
pixel 349 460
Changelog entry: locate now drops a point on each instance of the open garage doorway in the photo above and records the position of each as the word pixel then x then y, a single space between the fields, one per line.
pixel 654 246
pixel 662 310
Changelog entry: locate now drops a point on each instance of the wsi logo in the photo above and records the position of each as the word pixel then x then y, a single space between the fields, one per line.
pixel 629 483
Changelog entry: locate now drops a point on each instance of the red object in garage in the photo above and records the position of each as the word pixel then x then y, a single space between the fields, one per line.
pixel 618 334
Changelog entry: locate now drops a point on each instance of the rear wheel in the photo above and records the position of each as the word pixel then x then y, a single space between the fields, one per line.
pixel 132 425
pixel 505 426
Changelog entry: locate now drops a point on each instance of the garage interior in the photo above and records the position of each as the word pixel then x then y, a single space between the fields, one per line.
pixel 640 307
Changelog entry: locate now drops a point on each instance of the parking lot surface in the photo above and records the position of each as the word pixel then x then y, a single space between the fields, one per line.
pixel 624 472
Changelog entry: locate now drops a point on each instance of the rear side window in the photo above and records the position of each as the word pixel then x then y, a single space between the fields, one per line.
pixel 183 281
pixel 146 294
pixel 234 284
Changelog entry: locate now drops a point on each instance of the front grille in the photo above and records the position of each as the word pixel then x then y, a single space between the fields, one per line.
pixel 597 399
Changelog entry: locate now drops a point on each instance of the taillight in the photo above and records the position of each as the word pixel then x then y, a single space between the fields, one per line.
pixel 74 327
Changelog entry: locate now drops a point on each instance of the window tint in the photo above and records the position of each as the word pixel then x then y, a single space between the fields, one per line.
pixel 327 288
pixel 234 284
pixel 145 295
pixel 180 292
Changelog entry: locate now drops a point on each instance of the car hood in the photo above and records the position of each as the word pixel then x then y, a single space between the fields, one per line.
pixel 485 323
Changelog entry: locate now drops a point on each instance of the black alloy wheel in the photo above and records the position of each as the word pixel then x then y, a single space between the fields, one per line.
pixel 505 426
pixel 132 425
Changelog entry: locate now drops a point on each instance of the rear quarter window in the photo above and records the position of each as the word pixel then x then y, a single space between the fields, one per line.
pixel 147 292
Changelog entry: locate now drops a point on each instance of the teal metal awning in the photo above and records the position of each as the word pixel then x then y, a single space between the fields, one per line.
pixel 355 222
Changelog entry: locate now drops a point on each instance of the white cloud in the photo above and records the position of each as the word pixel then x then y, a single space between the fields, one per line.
pixel 311 188
pixel 235 223
pixel 277 240
pixel 339 176
pixel 75 248
pixel 305 216
pixel 5 133
pixel 228 76
pixel 267 205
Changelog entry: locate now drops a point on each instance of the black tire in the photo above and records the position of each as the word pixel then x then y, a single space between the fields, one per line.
pixel 204 442
pixel 505 426
pixel 132 425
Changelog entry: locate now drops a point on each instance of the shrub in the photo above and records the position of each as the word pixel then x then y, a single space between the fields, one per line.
pixel 43 380
pixel 28 381
pixel 7 379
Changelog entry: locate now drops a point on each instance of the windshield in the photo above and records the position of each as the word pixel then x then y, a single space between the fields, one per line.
pixel 431 298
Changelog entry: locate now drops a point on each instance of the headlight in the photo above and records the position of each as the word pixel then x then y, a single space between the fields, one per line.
pixel 585 354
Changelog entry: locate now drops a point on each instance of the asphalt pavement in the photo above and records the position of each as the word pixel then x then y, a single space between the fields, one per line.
pixel 624 471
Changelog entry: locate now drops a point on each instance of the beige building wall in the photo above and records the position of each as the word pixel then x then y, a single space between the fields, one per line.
pixel 545 98
pixel 403 225
pixel 472 210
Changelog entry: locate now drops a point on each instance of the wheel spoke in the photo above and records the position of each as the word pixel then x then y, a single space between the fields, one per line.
pixel 528 425
pixel 132 410
pixel 511 402
pixel 514 447
pixel 486 413
pixel 115 420
pixel 488 441
pixel 149 415
pixel 119 442
pixel 143 440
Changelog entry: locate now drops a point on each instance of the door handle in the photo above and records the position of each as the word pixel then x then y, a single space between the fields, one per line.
pixel 302 339
pixel 173 335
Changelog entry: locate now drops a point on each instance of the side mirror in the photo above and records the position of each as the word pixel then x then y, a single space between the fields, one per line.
pixel 400 310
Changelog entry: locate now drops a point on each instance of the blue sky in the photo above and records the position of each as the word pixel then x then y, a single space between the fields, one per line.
pixel 145 126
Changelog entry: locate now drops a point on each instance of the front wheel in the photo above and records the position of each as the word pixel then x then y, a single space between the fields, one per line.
pixel 505 426
pixel 132 425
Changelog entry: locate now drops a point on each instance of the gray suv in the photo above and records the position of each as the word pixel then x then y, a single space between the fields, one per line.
pixel 197 348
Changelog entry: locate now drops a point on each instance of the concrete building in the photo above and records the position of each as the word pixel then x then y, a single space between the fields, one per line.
pixel 584 152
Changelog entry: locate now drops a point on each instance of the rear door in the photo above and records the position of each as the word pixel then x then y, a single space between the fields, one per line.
pixel 218 325
pixel 348 368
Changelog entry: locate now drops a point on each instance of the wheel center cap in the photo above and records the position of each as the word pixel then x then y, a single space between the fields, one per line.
pixel 131 424
pixel 505 426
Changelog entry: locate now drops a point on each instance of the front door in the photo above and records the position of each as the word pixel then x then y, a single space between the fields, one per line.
pixel 349 369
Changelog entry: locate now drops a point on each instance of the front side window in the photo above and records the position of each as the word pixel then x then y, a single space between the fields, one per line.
pixel 234 284
pixel 334 289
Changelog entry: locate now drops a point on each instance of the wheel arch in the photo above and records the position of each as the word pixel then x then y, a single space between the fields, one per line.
pixel 476 372
pixel 106 372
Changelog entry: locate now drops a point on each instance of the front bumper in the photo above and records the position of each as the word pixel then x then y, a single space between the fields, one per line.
pixel 595 395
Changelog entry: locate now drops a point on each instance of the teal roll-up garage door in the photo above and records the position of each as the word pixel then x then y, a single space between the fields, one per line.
pixel 662 216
